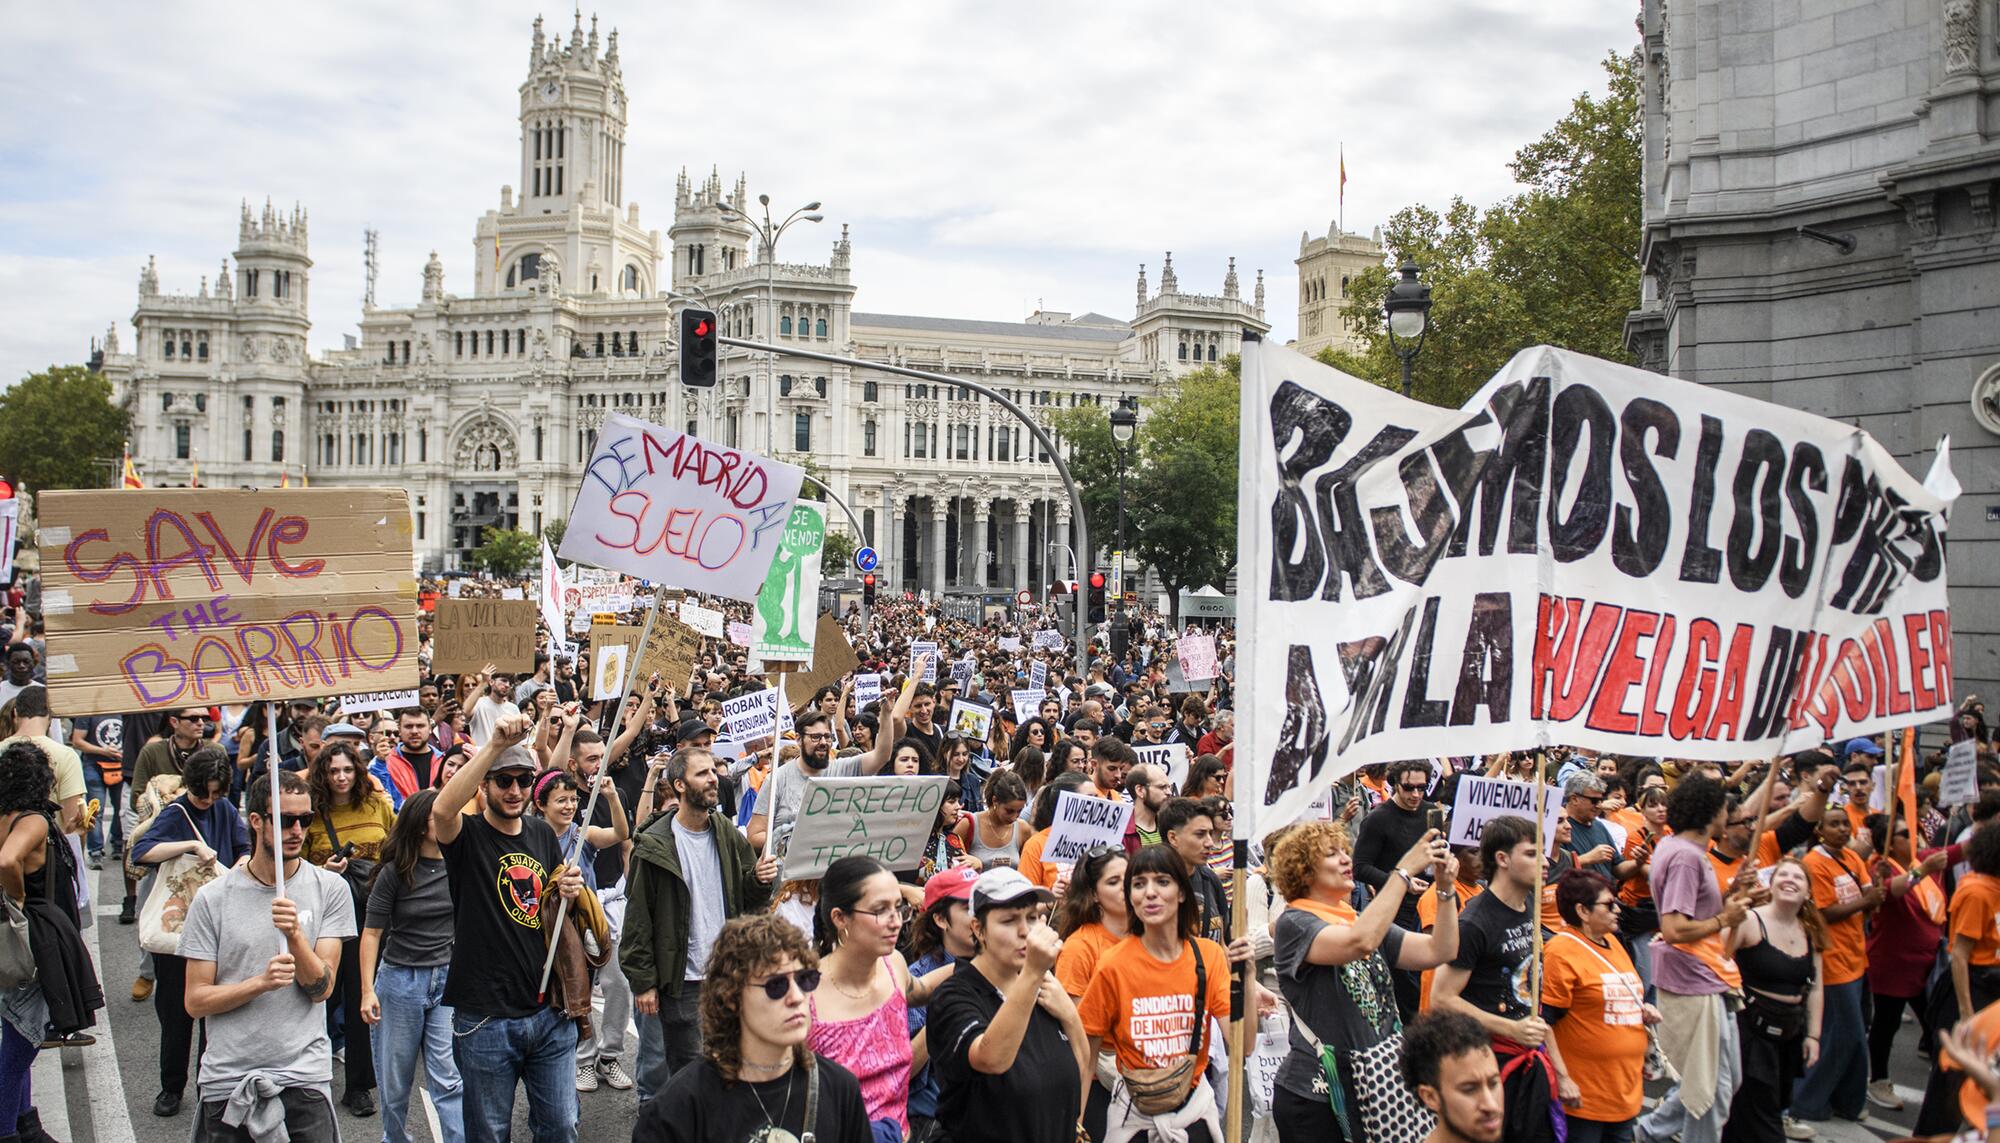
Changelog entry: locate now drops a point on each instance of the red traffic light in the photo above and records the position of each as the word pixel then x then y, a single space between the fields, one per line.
pixel 6 489
pixel 701 327
pixel 1097 580
pixel 868 580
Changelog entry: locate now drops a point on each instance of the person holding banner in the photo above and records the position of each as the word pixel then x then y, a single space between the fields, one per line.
pixel 1334 968
pixel 502 865
pixel 778 801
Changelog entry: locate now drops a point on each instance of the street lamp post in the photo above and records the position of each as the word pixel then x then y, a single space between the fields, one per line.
pixel 1124 423
pixel 1408 308
pixel 768 233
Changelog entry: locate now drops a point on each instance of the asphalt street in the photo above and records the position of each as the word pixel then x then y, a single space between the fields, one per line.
pixel 104 1093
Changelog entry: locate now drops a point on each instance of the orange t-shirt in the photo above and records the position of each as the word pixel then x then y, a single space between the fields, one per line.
pixel 1638 888
pixel 1836 879
pixel 1032 866
pixel 1725 870
pixel 1081 950
pixel 1603 1039
pixel 1975 915
pixel 1145 1011
pixel 1857 817
pixel 1630 817
pixel 1767 850
pixel 1427 915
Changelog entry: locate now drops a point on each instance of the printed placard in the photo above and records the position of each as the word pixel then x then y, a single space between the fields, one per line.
pixel 918 650
pixel 1049 639
pixel 377 700
pixel 706 620
pixel 1172 755
pixel 470 633
pixel 867 690
pixel 1197 657
pixel 1010 643
pixel 1027 701
pixel 970 719
pixel 1960 783
pixel 1038 675
pixel 672 508
pixel 783 626
pixel 961 673
pixel 887 818
pixel 1082 822
pixel 752 716
pixel 740 634
pixel 158 598
pixel 1480 800
pixel 607 672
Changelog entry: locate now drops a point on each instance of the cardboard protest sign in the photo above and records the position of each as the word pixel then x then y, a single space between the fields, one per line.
pixel 970 720
pixel 1172 755
pixel 671 653
pixel 706 620
pixel 917 651
pixel 470 633
pixel 1082 822
pixel 752 716
pixel 867 689
pixel 1585 554
pixel 887 818
pixel 604 635
pixel 833 658
pixel 1480 800
pixel 1960 784
pixel 668 507
pixel 1196 654
pixel 165 597
pixel 782 624
pixel 1027 701
pixel 740 634
pixel 377 700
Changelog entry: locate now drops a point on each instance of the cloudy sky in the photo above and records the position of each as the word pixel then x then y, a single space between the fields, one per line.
pixel 990 158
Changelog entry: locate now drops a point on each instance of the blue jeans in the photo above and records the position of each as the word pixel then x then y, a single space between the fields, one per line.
pixel 669 1041
pixel 415 1021
pixel 1838 1083
pixel 494 1054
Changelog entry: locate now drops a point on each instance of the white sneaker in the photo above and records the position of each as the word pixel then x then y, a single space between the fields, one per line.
pixel 1882 1093
pixel 1796 1129
pixel 613 1074
pixel 586 1077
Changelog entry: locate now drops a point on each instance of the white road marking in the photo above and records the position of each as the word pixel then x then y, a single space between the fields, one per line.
pixel 110 1115
pixel 50 1093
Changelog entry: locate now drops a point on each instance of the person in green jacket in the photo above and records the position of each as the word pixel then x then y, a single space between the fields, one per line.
pixel 692 870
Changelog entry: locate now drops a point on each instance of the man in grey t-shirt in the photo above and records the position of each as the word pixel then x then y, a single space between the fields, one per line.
pixel 259 969
pixel 778 802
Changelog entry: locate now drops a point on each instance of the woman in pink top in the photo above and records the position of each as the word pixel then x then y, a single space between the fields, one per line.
pixel 859 1020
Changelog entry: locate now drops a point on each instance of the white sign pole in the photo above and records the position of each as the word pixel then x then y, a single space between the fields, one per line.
pixel 275 820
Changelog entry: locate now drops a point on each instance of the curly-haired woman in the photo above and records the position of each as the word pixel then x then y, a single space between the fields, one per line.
pixel 351 820
pixel 755 1075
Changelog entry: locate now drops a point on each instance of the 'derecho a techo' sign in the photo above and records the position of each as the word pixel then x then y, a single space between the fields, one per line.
pixel 162 598
pixel 672 508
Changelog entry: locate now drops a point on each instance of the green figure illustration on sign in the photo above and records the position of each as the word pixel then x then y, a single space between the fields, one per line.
pixel 788 605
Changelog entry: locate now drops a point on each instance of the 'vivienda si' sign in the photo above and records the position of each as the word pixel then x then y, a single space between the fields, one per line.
pixel 1585 554
pixel 176 597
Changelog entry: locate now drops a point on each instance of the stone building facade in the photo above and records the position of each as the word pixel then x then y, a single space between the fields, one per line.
pixel 1325 266
pixel 1819 205
pixel 486 405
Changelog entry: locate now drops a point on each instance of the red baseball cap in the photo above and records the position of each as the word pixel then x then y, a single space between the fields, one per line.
pixel 951 885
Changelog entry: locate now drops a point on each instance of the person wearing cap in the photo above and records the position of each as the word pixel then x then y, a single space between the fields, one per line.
pixel 1008 1048
pixel 502 864
pixel 942 936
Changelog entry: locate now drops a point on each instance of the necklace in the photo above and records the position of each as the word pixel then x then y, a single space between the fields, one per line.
pixel 867 993
pixel 773 1130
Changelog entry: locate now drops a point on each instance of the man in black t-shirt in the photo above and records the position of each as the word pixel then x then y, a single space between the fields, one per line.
pixel 501 864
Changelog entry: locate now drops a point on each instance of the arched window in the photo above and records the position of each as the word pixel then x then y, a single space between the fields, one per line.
pixel 631 279
pixel 819 328
pixel 1211 351
pixel 277 446
pixel 819 386
pixel 785 325
pixel 531 268
pixel 1183 351
pixel 632 342
pixel 1343 287
pixel 785 385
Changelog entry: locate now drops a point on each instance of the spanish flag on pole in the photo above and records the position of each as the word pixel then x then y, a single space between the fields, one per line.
pixel 194 473
pixel 131 474
pixel 285 479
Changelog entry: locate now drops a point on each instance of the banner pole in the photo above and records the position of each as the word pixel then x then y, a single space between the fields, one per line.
pixel 1541 871
pixel 274 821
pixel 1239 1053
pixel 590 805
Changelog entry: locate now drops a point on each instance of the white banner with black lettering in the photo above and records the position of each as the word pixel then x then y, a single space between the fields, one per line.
pixel 1586 554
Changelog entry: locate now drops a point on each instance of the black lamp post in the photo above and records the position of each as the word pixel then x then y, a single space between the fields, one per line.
pixel 1408 308
pixel 1124 422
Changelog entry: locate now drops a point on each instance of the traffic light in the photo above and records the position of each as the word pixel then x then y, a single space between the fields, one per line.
pixel 868 590
pixel 698 348
pixel 1096 604
pixel 6 489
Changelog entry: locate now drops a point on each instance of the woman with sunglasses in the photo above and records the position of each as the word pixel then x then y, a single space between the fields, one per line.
pixel 1596 1007
pixel 755 1077
pixel 1010 1047
pixel 861 1021
pixel 1091 920
pixel 200 821
pixel 351 820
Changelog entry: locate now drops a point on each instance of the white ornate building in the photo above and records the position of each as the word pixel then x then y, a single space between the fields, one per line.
pixel 1326 265
pixel 485 405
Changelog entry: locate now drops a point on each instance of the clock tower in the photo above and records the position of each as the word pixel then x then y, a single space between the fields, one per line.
pixel 571 228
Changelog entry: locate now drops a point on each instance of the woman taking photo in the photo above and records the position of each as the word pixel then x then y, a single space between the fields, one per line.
pixel 1163 968
pixel 406 942
pixel 755 1076
pixel 202 822
pixel 351 820
pixel 1777 948
pixel 1090 920
pixel 1333 967
pixel 1010 1047
pixel 994 835
pixel 861 1020
pixel 1596 1008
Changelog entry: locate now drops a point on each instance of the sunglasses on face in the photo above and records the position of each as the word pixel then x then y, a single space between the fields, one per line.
pixel 512 778
pixel 1417 789
pixel 289 822
pixel 780 986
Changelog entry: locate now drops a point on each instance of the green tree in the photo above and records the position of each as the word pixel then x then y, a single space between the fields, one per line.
pixel 1557 263
pixel 507 552
pixel 1084 433
pixel 1181 502
pixel 554 530
pixel 59 429
pixel 836 554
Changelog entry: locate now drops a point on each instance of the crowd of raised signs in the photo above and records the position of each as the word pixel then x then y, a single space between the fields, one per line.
pixel 498 886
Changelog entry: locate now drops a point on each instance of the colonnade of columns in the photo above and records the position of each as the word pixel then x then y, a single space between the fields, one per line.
pixel 948 539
